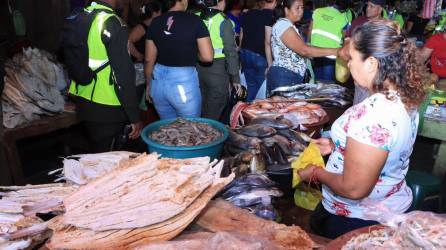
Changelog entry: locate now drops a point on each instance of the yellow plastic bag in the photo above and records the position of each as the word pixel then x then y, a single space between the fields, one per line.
pixel 310 156
pixel 341 70
pixel 307 197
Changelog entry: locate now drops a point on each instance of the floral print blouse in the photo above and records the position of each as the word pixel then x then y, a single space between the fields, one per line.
pixel 283 56
pixel 382 123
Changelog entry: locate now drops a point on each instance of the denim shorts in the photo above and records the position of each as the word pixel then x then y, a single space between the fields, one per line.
pixel 175 91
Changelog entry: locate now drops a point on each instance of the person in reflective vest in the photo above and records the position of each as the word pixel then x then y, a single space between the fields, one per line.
pixel 327 31
pixel 392 13
pixel 215 78
pixel 109 102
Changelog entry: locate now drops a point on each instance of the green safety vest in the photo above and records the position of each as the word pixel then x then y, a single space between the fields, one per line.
pixel 397 17
pixel 349 14
pixel 214 26
pixel 101 91
pixel 328 24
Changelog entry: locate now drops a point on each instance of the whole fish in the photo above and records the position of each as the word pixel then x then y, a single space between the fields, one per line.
pixel 236 190
pixel 296 147
pixel 257 164
pixel 277 122
pixel 233 150
pixel 294 136
pixel 257 180
pixel 244 142
pixel 267 154
pixel 257 130
pixel 279 155
pixel 254 196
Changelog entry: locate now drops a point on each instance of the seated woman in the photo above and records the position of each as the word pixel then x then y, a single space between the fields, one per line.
pixel 435 50
pixel 372 141
pixel 288 48
pixel 137 38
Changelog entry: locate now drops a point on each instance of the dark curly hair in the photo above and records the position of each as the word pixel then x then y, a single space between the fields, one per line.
pixel 397 62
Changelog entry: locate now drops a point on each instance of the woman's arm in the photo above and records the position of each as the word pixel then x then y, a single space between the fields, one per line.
pixel 362 167
pixel 293 41
pixel 150 59
pixel 205 50
pixel 137 33
pixel 268 52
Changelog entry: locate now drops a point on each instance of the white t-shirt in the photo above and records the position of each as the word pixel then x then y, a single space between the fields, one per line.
pixel 384 124
pixel 283 56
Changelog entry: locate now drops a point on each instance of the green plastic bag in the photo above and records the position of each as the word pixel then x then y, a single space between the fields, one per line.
pixel 307 197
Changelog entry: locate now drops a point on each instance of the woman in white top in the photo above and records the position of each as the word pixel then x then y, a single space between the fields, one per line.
pixel 372 141
pixel 288 48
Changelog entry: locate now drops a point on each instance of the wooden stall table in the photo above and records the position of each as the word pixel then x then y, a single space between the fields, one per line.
pixel 42 126
pixel 436 130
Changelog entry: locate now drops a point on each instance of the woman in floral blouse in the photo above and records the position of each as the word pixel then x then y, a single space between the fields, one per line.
pixel 372 141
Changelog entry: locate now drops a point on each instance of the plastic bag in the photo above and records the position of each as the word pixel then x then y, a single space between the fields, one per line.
pixel 342 71
pixel 307 197
pixel 310 156
pixel 414 230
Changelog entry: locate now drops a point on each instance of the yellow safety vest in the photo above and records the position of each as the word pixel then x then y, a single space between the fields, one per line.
pixel 101 90
pixel 214 26
pixel 328 23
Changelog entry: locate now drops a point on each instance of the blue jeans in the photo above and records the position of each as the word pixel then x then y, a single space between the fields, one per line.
pixel 279 77
pixel 175 91
pixel 253 66
pixel 324 68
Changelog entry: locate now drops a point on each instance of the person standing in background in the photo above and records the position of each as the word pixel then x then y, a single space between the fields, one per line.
pixel 327 31
pixel 109 102
pixel 234 14
pixel 255 43
pixel 174 40
pixel 215 78
pixel 137 38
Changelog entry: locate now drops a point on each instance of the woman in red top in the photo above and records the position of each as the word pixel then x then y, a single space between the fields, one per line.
pixel 435 49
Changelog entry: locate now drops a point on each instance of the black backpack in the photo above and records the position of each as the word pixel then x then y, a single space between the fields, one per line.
pixel 75 45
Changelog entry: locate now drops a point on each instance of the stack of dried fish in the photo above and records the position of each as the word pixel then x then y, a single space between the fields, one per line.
pixel 238 221
pixel 329 95
pixel 83 168
pixel 31 88
pixel 143 200
pixel 228 227
pixel 296 113
pixel 20 228
pixel 183 132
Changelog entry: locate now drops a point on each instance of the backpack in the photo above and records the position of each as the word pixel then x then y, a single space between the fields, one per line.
pixel 75 45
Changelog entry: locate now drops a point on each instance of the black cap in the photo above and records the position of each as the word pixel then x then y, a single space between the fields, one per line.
pixel 381 3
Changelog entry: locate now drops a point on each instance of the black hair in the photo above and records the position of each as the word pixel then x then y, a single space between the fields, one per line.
pixel 396 56
pixel 168 4
pixel 279 11
pixel 342 4
pixel 147 10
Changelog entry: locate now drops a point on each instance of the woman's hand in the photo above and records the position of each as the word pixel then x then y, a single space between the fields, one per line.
pixel 344 51
pixel 326 145
pixel 307 174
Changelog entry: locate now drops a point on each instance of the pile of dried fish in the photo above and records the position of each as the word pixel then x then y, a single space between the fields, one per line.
pixel 20 228
pixel 183 132
pixel 83 168
pixel 416 230
pixel 294 114
pixel 253 192
pixel 330 95
pixel 31 88
pixel 143 200
pixel 222 216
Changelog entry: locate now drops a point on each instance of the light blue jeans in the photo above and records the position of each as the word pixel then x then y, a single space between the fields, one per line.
pixel 175 91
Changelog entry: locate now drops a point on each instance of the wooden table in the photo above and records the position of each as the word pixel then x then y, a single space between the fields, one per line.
pixel 39 127
pixel 436 130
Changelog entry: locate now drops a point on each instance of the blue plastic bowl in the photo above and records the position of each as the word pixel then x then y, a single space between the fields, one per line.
pixel 213 149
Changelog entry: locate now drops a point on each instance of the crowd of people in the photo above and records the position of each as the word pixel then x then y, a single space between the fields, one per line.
pixel 194 58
